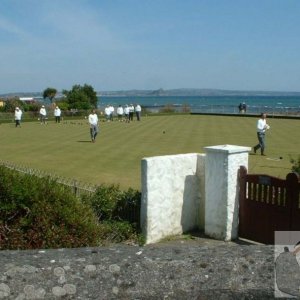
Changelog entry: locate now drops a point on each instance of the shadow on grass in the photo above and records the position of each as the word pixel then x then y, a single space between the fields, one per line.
pixel 83 141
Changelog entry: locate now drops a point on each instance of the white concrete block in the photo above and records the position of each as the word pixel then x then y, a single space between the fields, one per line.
pixel 221 189
pixel 171 195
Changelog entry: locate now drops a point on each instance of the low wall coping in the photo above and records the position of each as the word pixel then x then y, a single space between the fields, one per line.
pixel 186 269
pixel 230 149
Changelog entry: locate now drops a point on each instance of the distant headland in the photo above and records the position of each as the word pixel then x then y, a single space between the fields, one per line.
pixel 195 92
pixel 170 92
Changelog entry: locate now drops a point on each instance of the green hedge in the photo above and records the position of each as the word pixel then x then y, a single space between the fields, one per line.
pixel 40 213
pixel 111 203
pixel 118 212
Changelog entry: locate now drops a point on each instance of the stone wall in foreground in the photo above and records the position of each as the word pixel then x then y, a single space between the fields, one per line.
pixel 185 270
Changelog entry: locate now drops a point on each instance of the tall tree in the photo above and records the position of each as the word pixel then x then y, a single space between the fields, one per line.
pixel 49 93
pixel 91 94
pixel 81 97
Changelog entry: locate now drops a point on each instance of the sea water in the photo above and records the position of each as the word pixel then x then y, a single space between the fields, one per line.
pixel 210 104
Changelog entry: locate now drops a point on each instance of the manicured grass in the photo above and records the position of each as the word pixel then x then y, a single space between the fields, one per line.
pixel 65 149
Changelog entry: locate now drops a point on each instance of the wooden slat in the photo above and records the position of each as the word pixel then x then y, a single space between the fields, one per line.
pixel 268 204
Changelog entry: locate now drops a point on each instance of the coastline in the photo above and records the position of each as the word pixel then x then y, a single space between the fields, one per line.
pixel 214 104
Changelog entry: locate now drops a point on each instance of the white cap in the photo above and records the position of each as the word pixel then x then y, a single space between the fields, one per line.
pixel 17 107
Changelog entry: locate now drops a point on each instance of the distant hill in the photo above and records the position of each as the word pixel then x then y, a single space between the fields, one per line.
pixel 172 92
pixel 22 94
pixel 195 92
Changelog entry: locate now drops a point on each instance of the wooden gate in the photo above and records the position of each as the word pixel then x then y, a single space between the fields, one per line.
pixel 268 204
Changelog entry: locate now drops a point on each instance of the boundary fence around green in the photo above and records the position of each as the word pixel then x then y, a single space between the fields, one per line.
pixel 76 186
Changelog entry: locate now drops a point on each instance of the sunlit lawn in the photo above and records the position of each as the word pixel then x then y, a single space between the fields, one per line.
pixel 65 149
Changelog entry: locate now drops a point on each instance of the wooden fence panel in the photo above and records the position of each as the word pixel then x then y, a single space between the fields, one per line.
pixel 267 204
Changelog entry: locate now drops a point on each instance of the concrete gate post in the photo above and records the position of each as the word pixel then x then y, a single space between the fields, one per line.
pixel 221 189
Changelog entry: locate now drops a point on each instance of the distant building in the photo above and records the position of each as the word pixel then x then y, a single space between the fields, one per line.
pixel 26 99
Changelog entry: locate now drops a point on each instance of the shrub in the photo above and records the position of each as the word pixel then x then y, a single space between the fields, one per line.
pixel 295 164
pixel 117 231
pixel 168 108
pixel 40 213
pixel 129 206
pixel 118 212
pixel 186 108
pixel 110 203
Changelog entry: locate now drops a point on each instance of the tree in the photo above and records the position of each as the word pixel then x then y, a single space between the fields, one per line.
pixel 92 95
pixel 81 97
pixel 49 93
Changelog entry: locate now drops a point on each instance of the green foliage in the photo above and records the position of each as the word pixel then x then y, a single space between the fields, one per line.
pixel 81 97
pixel 12 103
pixel 91 94
pixel 49 93
pixel 63 105
pixel 110 203
pixel 117 231
pixel 118 211
pixel 104 201
pixel 40 213
pixel 34 107
pixel 295 164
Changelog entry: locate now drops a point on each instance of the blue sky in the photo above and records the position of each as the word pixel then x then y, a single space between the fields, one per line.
pixel 150 44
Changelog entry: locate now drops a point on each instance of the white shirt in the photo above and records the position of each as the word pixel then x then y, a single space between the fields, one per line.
pixel 57 112
pixel 126 110
pixel 120 110
pixel 93 119
pixel 138 108
pixel 107 111
pixel 43 111
pixel 18 114
pixel 262 125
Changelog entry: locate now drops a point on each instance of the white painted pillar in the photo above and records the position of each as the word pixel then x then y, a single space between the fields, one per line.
pixel 222 189
pixel 171 199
